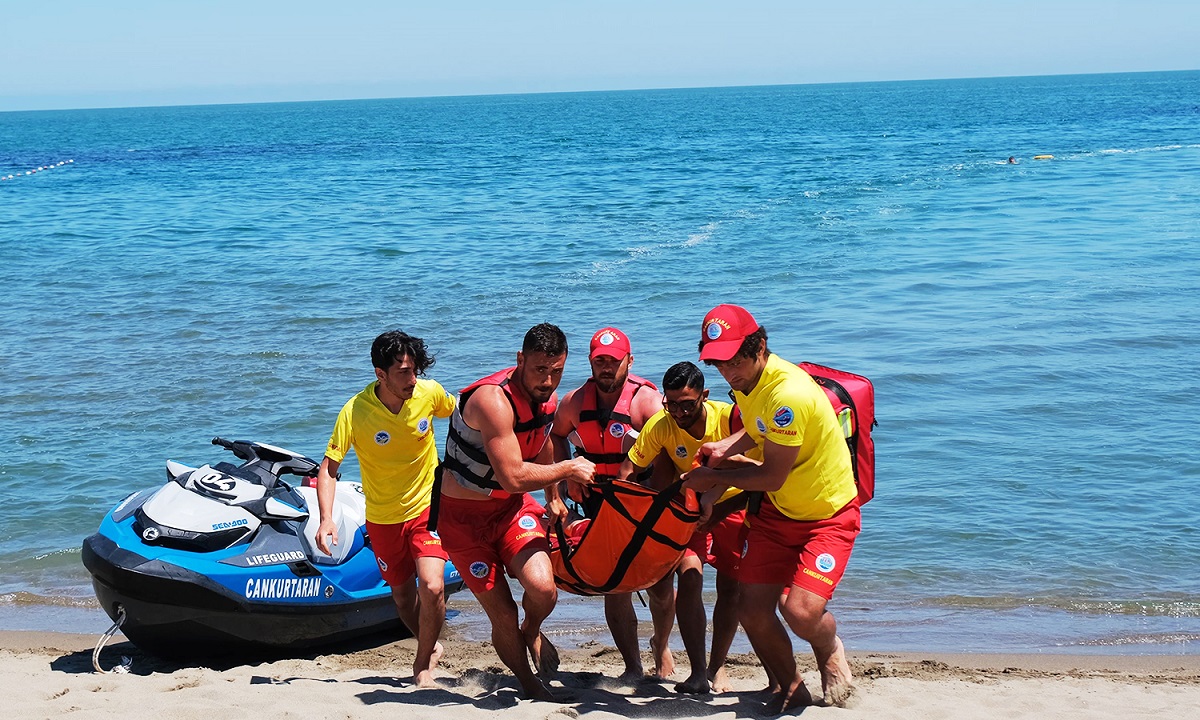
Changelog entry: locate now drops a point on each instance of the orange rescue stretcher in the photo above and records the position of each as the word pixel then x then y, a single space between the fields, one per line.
pixel 637 536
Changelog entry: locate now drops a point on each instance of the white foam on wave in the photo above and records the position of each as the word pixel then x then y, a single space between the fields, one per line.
pixel 641 252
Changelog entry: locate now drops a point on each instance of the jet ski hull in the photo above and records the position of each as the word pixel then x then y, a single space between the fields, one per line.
pixel 185 604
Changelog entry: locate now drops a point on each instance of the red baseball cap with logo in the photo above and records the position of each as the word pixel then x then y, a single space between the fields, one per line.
pixel 609 341
pixel 723 330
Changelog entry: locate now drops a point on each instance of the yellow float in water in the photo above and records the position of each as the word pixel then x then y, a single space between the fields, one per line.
pixel 1043 157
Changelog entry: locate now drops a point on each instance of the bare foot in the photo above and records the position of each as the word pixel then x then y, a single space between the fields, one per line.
pixel 694 685
pixel 423 676
pixel 836 680
pixel 544 654
pixel 538 690
pixel 782 702
pixel 664 661
pixel 424 679
pixel 720 681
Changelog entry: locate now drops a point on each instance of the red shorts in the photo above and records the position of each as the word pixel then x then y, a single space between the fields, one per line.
pixel 721 547
pixel 483 536
pixel 813 555
pixel 398 545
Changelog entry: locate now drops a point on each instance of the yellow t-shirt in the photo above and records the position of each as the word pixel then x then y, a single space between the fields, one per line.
pixel 661 433
pixel 396 451
pixel 788 408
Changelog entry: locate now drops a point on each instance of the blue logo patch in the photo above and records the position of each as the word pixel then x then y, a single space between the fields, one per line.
pixel 382 438
pixel 762 426
pixel 783 417
pixel 680 452
pixel 825 562
pixel 527 522
pixel 382 564
pixel 713 331
pixel 479 569
pixel 617 430
pixel 423 426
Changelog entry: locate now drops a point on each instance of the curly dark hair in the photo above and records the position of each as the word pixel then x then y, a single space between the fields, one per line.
pixel 750 346
pixel 393 345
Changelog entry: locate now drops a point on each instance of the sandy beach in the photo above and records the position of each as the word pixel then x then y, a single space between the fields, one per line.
pixel 50 675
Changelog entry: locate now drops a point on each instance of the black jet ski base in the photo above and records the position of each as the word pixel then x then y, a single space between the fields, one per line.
pixel 173 612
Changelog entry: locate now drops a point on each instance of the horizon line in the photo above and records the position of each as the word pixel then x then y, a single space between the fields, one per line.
pixel 418 96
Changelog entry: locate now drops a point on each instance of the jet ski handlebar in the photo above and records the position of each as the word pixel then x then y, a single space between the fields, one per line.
pixel 282 461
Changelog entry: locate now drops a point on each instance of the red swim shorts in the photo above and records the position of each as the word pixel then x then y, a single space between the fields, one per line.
pixel 483 536
pixel 398 545
pixel 721 547
pixel 813 554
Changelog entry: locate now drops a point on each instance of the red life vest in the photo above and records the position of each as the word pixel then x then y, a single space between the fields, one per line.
pixel 602 433
pixel 465 456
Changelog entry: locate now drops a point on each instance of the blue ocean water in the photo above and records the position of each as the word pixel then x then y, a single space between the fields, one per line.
pixel 1031 328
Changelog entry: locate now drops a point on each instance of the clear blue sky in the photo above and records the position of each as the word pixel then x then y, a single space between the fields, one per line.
pixel 71 54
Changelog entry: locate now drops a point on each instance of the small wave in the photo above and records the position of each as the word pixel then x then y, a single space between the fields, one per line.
pixel 704 234
pixel 1182 608
pixel 28 598
pixel 1170 638
pixel 640 252
pixel 1126 151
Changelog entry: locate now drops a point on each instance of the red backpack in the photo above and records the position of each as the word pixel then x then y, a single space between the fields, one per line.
pixel 853 399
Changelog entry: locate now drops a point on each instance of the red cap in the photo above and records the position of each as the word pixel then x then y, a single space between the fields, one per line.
pixel 723 330
pixel 609 341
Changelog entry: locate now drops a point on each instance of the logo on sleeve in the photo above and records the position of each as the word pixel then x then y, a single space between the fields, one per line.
pixel 783 417
pixel 423 426
pixel 762 426
pixel 825 562
pixel 382 438
pixel 617 430
pixel 527 522
pixel 479 569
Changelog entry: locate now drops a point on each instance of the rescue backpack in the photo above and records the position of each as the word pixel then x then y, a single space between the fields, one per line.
pixel 853 400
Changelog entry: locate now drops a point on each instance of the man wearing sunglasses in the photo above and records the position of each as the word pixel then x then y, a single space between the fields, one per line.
pixel 673 436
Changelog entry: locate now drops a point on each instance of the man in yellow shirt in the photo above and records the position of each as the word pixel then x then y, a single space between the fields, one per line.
pixel 390 427
pixel 802 535
pixel 674 435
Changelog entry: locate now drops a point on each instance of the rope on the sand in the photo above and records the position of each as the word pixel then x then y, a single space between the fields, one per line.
pixel 125 660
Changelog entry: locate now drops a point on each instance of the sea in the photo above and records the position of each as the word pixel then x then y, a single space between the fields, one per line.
pixel 1032 326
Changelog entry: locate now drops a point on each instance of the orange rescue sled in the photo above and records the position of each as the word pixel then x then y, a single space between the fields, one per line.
pixel 637 536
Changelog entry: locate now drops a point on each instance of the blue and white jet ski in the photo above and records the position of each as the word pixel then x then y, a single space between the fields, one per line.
pixel 223 558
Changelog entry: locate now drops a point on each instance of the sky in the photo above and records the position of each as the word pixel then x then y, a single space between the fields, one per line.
pixel 61 54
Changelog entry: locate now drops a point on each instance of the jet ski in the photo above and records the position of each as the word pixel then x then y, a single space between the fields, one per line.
pixel 223 558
